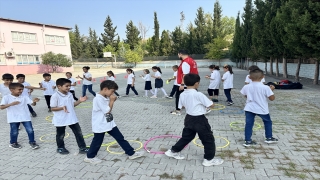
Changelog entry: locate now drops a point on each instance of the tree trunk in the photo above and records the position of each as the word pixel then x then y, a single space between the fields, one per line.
pixel 265 67
pixel 284 67
pixel 298 70
pixel 237 63
pixel 316 73
pixel 271 66
pixel 277 67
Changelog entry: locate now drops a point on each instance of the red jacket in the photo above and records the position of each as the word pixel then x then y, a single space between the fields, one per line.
pixel 193 68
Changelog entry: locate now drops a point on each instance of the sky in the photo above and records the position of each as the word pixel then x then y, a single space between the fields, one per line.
pixel 93 13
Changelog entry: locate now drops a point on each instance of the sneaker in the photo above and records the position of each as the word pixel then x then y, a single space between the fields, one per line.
pixel 208 110
pixel 62 151
pixel 229 103
pixel 271 140
pixel 215 100
pixel 212 162
pixel 249 143
pixel 34 114
pixel 175 113
pixel 92 160
pixel 15 146
pixel 83 150
pixel 34 145
pixel 170 97
pixel 153 97
pixel 166 96
pixel 49 110
pixel 175 155
pixel 118 97
pixel 136 155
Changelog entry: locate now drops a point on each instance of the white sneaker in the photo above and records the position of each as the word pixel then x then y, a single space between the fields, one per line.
pixel 153 97
pixel 170 97
pixel 136 155
pixel 92 160
pixel 175 113
pixel 166 96
pixel 175 155
pixel 212 162
pixel 208 110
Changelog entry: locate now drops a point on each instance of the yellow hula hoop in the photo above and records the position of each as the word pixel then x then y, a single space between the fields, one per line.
pixel 220 107
pixel 220 147
pixel 112 143
pixel 41 138
pixel 237 128
pixel 48 118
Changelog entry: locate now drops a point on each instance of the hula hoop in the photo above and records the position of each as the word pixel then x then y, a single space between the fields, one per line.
pixel 220 147
pixel 114 142
pixel 237 128
pixel 48 118
pixel 220 106
pixel 233 111
pixel 158 137
pixel 41 138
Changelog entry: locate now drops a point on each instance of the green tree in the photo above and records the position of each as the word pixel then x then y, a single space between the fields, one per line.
pixel 133 56
pixel 88 45
pixel 132 34
pixel 95 45
pixel 209 27
pixel 55 60
pixel 236 47
pixel 109 48
pixel 217 49
pixel 122 49
pixel 155 37
pixel 217 18
pixel 177 40
pixel 165 43
pixel 227 26
pixel 247 30
pixel 76 43
pixel 199 32
pixel 109 35
pixel 191 40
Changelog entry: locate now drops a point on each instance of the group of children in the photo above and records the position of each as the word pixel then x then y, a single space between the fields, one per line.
pixel 62 103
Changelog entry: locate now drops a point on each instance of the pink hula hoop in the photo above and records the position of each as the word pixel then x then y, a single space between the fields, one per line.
pixel 158 137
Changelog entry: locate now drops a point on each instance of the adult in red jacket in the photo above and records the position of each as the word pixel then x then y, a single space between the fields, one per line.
pixel 187 65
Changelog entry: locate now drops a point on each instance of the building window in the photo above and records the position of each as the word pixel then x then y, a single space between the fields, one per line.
pixel 2 59
pixel 55 40
pixel 27 59
pixel 24 37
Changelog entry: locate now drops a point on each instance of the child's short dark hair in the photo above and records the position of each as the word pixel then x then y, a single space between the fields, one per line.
pixel 191 79
pixel 109 85
pixel 175 66
pixel 86 67
pixel 20 75
pixel 253 67
pixel 46 75
pixel 110 72
pixel 69 73
pixel 147 71
pixel 7 76
pixel 212 66
pixel 62 81
pixel 15 85
pixel 256 74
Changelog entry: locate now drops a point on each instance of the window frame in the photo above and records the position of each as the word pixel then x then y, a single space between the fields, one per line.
pixel 56 39
pixel 24 34
pixel 31 59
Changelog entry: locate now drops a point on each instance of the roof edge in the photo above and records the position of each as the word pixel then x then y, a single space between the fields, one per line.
pixel 28 22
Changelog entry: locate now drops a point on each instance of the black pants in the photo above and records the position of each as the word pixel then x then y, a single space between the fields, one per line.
pixel 192 126
pixel 76 131
pixel 213 91
pixel 48 97
pixel 74 95
pixel 116 93
pixel 133 89
pixel 178 97
pixel 116 134
pixel 30 108
pixel 174 90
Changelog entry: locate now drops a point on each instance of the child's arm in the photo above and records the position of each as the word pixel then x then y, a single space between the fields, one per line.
pixel 40 84
pixel 32 87
pixel 74 84
pixel 81 99
pixel 173 78
pixel 133 79
pixel 34 102
pixel 112 98
pixel 8 105
pixel 272 97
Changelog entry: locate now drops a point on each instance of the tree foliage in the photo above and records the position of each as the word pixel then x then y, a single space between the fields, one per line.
pixel 55 60
pixel 132 34
pixel 109 35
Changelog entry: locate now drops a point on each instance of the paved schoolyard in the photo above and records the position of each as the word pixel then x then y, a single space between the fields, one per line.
pixel 295 114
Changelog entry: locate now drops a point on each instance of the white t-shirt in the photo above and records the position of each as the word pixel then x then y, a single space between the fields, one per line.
pixel 48 85
pixel 195 102
pixel 157 74
pixel 99 109
pixel 130 80
pixel 147 77
pixel 25 91
pixel 257 97
pixel 248 80
pixel 228 80
pixel 111 78
pixel 85 81
pixel 61 118
pixel 72 81
pixel 4 90
pixel 215 79
pixel 19 112
pixel 175 75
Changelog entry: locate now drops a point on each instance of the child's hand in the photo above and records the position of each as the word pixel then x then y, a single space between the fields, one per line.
pixel 169 80
pixel 78 76
pixel 43 89
pixel 53 87
pixel 65 109
pixel 36 100
pixel 40 84
pixel 14 103
pixel 207 76
pixel 113 98
pixel 272 87
pixel 83 99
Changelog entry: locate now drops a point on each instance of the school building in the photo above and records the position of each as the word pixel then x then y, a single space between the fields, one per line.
pixel 22 43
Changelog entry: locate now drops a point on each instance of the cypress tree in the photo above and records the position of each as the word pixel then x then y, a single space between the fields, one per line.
pixel 132 34
pixel 108 37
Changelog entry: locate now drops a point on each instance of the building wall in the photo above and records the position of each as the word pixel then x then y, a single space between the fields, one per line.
pixel 31 50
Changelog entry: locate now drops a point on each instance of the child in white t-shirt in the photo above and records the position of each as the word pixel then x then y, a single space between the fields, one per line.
pixel 62 105
pixel 214 85
pixel 73 85
pixel 158 82
pixel 257 95
pixel 49 86
pixel 130 83
pixel 175 84
pixel 102 122
pixel 147 79
pixel 248 80
pixel 196 104
pixel 17 112
pixel 86 81
pixel 112 78
pixel 227 80
pixel 7 80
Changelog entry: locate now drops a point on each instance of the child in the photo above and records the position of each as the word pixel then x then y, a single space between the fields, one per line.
pixel 17 112
pixel 130 83
pixel 213 88
pixel 147 86
pixel 27 91
pixel 102 122
pixel 73 84
pixel 248 80
pixel 175 85
pixel 227 80
pixel 62 105
pixel 7 80
pixel 49 86
pixel 158 82
pixel 87 81
pixel 195 122
pixel 111 78
pixel 257 104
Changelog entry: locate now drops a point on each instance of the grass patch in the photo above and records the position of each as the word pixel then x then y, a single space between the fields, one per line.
pixel 116 160
pixel 167 176
pixel 291 171
pixel 163 149
pixel 227 154
pixel 247 160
